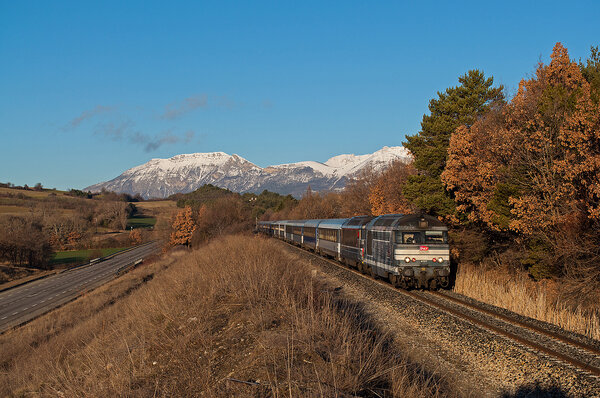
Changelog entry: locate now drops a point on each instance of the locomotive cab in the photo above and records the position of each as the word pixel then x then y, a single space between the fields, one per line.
pixel 422 257
pixel 410 250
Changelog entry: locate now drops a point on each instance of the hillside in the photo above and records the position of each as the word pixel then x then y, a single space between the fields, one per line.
pixel 239 317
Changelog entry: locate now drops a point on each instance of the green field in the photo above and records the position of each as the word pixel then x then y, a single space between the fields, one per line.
pixel 141 222
pixel 81 256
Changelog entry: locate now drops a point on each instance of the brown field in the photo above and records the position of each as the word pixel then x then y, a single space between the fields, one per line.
pixel 517 292
pixel 159 204
pixel 10 210
pixel 13 210
pixel 31 194
pixel 162 210
pixel 191 324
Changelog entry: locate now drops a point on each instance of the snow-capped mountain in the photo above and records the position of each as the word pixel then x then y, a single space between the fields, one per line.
pixel 160 178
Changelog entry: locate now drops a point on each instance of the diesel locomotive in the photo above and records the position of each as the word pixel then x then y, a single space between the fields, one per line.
pixel 410 250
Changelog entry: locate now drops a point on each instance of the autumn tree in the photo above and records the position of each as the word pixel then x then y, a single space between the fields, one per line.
pixel 65 231
pixel 386 195
pixel 316 205
pixel 112 214
pixel 183 227
pixel 533 167
pixel 355 196
pixel 226 215
pixel 460 105
pixel 135 237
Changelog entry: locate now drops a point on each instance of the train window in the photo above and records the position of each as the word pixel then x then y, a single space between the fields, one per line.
pixel 350 237
pixel 430 237
pixel 309 232
pixel 328 234
pixel 369 243
pixel 409 237
pixel 381 235
pixel 436 237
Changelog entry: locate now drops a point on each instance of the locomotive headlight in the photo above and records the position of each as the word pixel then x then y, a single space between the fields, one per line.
pixel 407 260
pixel 440 260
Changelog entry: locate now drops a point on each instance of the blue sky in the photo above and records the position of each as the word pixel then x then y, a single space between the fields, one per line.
pixel 89 89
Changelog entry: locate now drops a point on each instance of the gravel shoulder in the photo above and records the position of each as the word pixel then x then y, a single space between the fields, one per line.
pixel 476 361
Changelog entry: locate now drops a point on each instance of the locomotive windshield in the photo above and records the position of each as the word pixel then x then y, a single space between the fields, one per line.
pixel 422 237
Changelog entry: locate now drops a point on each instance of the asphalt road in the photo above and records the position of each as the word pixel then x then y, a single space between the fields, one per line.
pixel 25 302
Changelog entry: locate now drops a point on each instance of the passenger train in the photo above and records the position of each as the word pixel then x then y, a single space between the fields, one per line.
pixel 409 250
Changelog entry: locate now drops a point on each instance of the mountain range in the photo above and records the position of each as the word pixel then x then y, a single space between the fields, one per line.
pixel 160 178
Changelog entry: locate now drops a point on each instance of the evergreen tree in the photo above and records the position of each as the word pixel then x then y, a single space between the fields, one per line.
pixel 591 73
pixel 457 106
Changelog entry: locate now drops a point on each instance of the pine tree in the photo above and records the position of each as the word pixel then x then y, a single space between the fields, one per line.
pixel 457 106
pixel 591 73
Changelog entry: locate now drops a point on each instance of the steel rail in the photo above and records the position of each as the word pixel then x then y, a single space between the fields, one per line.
pixel 432 303
pixel 526 325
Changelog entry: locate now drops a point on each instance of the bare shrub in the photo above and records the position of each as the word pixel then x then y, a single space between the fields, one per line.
pixel 24 241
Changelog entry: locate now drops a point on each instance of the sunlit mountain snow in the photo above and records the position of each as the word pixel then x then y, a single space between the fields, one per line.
pixel 159 178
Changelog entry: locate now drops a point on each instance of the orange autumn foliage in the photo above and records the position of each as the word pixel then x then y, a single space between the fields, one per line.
pixel 183 227
pixel 135 237
pixel 385 194
pixel 355 196
pixel 534 164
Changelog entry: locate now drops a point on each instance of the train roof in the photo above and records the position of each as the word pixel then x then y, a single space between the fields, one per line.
pixel 406 221
pixel 333 223
pixel 383 222
pixel 357 222
pixel 312 223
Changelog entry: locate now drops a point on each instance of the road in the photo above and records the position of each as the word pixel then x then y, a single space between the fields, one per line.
pixel 25 302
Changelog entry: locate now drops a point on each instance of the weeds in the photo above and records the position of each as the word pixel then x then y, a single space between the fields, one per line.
pixel 515 291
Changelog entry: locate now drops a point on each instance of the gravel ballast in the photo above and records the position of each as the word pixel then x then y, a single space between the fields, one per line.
pixel 476 360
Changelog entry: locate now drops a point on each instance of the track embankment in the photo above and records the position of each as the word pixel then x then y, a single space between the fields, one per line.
pixel 483 348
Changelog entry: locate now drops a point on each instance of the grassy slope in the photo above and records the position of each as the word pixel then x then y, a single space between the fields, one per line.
pixel 162 211
pixel 32 194
pixel 11 210
pixel 239 308
pixel 141 222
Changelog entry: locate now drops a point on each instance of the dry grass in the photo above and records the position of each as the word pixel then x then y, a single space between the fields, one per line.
pixel 517 292
pixel 240 308
pixel 13 210
pixel 31 194
pixel 162 210
pixel 157 204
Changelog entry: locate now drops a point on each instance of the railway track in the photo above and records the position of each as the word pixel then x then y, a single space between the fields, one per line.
pixel 556 345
